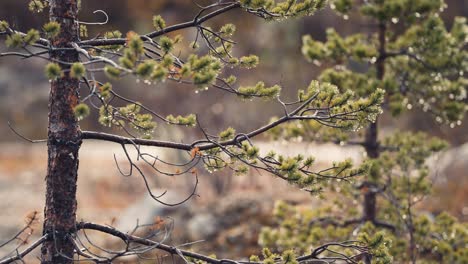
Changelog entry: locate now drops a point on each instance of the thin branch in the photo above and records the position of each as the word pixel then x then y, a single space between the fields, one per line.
pixel 97 23
pixel 167 144
pixel 23 137
pixel 20 255
pixel 193 23
pixel 126 238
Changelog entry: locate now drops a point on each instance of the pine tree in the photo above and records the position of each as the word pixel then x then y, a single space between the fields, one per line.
pixel 408 51
pixel 75 62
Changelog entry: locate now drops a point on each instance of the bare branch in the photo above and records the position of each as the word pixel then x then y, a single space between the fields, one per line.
pixel 126 140
pixel 23 137
pixel 23 253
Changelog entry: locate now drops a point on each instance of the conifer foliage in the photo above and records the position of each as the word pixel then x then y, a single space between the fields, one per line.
pixel 408 51
pixel 82 71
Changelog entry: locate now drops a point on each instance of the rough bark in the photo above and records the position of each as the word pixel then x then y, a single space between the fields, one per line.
pixel 64 140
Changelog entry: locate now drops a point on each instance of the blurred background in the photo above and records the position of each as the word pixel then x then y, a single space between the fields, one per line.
pixel 217 215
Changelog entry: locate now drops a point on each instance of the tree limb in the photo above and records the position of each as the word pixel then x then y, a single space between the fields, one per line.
pixel 20 255
pixel 188 24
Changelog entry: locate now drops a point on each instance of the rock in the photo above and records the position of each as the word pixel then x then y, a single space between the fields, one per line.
pixel 449 171
pixel 147 210
pixel 203 226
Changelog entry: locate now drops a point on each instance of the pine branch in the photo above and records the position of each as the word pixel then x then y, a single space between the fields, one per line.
pixel 195 22
pixel 41 41
pixel 200 143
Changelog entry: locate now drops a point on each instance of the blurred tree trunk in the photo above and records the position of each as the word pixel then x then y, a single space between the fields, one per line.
pixel 64 140
pixel 372 143
pixel 371 139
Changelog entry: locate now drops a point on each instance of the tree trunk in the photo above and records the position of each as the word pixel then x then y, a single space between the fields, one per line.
pixel 372 143
pixel 370 195
pixel 64 140
pixel 371 137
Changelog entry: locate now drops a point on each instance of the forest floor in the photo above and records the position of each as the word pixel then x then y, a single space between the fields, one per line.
pixel 106 197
